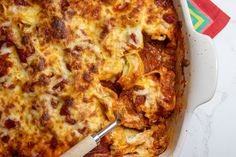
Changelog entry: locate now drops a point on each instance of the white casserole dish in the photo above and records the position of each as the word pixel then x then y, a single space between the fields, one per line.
pixel 201 76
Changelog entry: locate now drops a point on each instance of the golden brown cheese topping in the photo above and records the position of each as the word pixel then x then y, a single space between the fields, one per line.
pixel 67 66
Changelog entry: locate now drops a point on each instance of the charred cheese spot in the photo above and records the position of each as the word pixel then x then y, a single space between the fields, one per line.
pixel 4 64
pixel 26 50
pixel 64 5
pixel 87 77
pixel 53 143
pixel 9 124
pixel 121 7
pixel 59 30
pixel 104 32
pixel 5 138
pixel 24 54
pixel 39 64
pixel 21 2
pixel 140 99
pixel 60 86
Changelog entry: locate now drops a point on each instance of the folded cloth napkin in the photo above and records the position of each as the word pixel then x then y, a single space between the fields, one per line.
pixel 206 17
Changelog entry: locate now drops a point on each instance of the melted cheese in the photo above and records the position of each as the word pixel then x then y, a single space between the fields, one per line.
pixel 52 93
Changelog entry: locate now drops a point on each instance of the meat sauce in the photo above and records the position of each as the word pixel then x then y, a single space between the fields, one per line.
pixel 4 64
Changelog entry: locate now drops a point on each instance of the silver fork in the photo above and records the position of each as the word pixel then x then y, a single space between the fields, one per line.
pixel 89 142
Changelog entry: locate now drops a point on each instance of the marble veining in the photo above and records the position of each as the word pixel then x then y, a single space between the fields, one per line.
pixel 212 132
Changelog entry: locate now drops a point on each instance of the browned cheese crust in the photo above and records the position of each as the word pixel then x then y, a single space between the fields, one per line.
pixel 68 66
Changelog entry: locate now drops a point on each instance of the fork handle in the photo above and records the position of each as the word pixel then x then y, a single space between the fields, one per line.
pixel 82 148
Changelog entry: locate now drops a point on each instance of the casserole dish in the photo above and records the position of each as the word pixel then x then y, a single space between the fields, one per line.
pixel 66 75
pixel 201 76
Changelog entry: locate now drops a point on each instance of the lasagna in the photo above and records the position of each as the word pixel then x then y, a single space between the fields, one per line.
pixel 68 66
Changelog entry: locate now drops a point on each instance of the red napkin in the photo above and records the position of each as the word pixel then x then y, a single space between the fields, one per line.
pixel 207 18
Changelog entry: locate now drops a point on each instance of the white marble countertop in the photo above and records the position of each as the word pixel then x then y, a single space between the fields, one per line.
pixel 212 132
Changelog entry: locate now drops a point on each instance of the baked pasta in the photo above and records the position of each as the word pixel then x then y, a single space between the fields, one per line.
pixel 68 66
